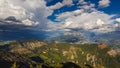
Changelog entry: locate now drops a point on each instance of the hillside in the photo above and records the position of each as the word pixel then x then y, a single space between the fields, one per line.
pixel 41 54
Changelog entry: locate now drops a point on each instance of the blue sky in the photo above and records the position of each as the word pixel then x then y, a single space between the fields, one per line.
pixel 23 19
pixel 111 9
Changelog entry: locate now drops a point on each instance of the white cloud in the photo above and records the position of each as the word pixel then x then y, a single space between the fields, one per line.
pixel 99 22
pixel 25 10
pixel 104 3
pixel 67 2
pixel 82 2
pixel 7 10
pixel 118 20
pixel 95 21
pixel 56 6
pixel 65 15
pixel 77 12
pixel 27 22
pixel 59 4
pixel 88 7
pixel 86 17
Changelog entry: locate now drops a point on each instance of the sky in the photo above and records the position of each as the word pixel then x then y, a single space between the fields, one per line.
pixel 27 19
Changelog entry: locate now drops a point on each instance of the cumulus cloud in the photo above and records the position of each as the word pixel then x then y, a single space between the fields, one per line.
pixel 59 4
pixel 118 19
pixel 87 18
pixel 24 10
pixel 117 23
pixel 104 3
pixel 82 2
pixel 65 15
pixel 35 12
pixel 88 7
pixel 67 2
pixel 56 6
pixel 11 10
pixel 27 22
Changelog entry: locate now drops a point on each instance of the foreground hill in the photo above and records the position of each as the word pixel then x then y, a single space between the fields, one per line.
pixel 41 54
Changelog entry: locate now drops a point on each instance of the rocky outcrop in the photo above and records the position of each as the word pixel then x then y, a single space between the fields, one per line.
pixel 20 50
pixel 102 46
pixel 112 53
pixel 24 47
pixel 32 44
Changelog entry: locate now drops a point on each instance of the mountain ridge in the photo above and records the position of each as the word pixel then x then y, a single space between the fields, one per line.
pixel 52 53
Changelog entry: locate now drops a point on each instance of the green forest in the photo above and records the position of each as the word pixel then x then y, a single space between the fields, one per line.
pixel 42 54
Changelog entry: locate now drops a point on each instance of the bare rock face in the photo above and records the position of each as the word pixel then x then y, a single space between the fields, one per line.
pixel 102 46
pixel 20 50
pixel 25 47
pixel 112 53
pixel 33 44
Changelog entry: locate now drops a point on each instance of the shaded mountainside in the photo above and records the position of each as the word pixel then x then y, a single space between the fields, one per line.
pixel 41 54
pixel 7 60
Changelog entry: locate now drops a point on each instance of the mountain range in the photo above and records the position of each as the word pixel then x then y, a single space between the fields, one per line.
pixel 42 54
